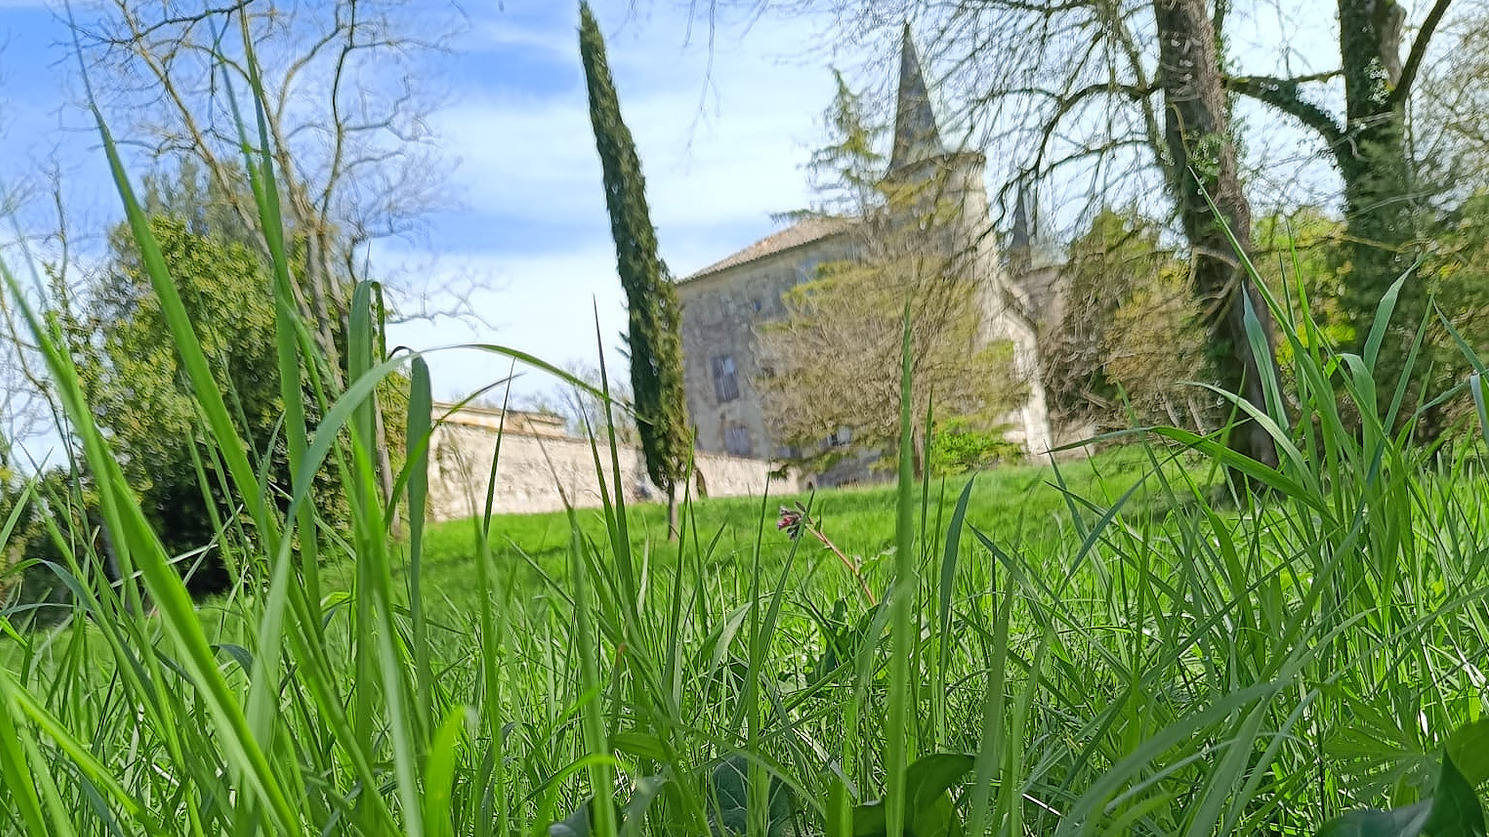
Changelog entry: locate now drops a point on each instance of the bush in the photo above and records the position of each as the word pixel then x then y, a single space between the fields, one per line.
pixel 144 403
pixel 958 446
pixel 31 593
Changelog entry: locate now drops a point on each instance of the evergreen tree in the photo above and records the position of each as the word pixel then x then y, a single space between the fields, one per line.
pixel 847 172
pixel 654 338
pixel 143 400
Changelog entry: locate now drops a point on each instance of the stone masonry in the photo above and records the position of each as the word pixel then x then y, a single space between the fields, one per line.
pixel 540 465
pixel 723 303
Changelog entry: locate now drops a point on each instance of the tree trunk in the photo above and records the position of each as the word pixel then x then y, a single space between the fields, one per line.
pixel 1198 138
pixel 1378 196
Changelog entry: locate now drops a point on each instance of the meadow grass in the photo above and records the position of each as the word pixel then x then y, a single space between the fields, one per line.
pixel 1018 502
pixel 1096 649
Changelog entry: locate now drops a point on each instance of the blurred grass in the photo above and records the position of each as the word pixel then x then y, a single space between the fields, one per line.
pixel 1123 654
pixel 1023 505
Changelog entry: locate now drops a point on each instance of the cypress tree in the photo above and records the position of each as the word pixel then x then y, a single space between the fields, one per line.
pixel 654 336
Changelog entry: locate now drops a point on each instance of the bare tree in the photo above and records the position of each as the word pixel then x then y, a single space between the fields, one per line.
pixel 344 117
pixel 29 410
pixel 1213 209
pixel 1126 98
pixel 917 238
pixel 832 382
pixel 583 410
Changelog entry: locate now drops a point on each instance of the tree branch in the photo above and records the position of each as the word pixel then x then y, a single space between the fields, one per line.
pixel 1418 52
pixel 1282 94
pixel 1067 102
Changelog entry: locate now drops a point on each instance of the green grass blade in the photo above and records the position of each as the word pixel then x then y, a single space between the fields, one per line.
pixel 420 412
pixel 904 632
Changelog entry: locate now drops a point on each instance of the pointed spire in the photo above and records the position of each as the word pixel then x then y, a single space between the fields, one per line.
pixel 916 136
pixel 1021 238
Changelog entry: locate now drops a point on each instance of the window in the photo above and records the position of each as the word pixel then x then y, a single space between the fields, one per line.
pixel 737 440
pixel 841 438
pixel 806 270
pixel 725 379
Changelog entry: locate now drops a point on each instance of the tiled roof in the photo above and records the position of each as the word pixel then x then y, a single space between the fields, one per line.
pixel 802 232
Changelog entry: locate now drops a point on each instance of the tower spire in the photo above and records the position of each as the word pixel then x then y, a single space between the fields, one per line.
pixel 916 135
pixel 1020 244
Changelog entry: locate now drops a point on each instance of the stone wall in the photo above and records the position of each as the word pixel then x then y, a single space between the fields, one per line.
pixel 720 312
pixel 536 471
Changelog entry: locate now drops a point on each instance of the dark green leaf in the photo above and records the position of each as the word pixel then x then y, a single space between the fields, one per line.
pixel 1469 750
pixel 1456 810
pixel 869 820
pixel 1400 822
pixel 927 783
pixel 729 809
pixel 930 811
pixel 932 776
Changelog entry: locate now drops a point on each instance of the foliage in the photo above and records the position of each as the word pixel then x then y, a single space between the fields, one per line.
pixel 1130 340
pixel 958 446
pixel 1453 809
pixel 846 172
pixel 137 391
pixel 831 362
pixel 848 316
pixel 31 593
pixel 1456 274
pixel 654 338
pixel 140 396
pixel 1460 268
pixel 1299 252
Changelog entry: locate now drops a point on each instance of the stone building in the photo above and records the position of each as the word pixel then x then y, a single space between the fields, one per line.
pixel 541 466
pixel 724 302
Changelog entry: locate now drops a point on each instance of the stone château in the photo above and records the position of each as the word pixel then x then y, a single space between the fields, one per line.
pixel 724 302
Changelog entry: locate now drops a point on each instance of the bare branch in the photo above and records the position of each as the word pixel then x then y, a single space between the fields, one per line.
pixel 1283 94
pixel 1418 52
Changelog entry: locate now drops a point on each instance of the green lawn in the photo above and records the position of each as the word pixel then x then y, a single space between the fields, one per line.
pixel 1112 653
pixel 1016 505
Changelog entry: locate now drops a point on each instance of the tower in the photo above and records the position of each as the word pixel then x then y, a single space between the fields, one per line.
pixel 1021 237
pixel 917 137
pixel 950 184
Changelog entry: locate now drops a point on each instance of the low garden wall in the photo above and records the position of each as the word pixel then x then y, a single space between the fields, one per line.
pixel 537 471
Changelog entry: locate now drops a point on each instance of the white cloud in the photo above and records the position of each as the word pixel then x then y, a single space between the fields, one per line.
pixel 544 305
pixel 723 137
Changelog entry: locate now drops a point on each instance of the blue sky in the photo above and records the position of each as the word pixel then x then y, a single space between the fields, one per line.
pixel 724 131
pixel 723 137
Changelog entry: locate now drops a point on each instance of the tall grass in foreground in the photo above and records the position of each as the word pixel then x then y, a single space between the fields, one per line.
pixel 1192 671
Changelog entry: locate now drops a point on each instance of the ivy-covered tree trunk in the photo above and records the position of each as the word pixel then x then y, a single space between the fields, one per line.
pixel 1198 139
pixel 1379 203
pixel 654 338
